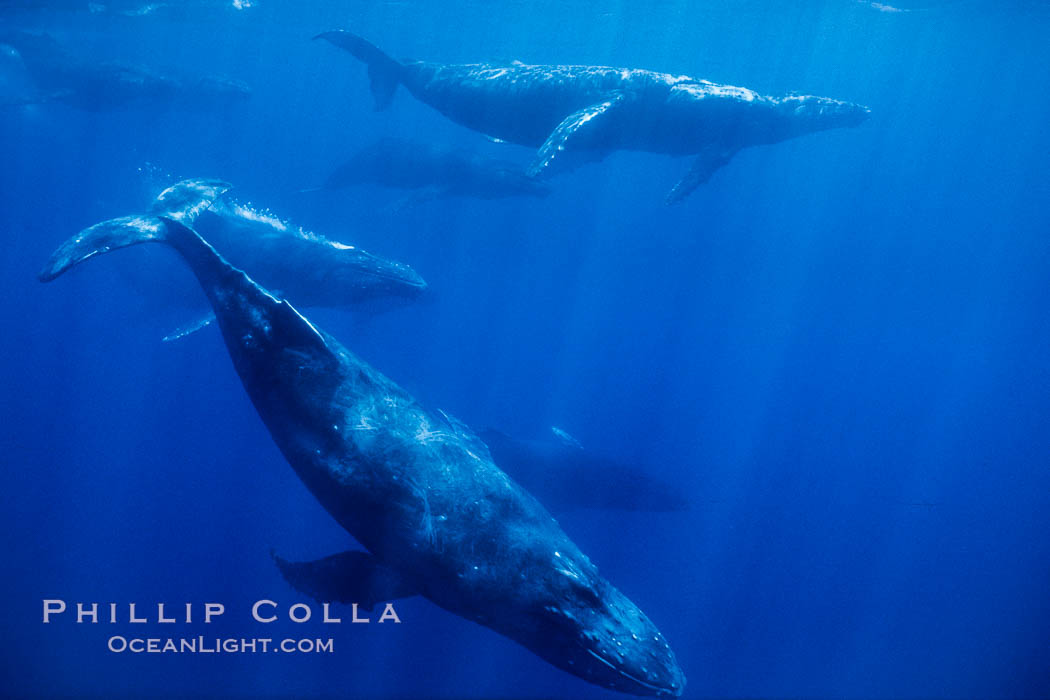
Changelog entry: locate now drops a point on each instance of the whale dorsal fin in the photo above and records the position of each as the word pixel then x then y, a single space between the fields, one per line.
pixel 574 127
pixel 347 577
pixel 705 164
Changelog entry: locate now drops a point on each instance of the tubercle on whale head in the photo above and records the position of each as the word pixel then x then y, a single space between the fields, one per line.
pixel 585 626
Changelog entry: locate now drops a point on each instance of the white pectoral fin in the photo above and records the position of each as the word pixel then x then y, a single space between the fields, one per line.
pixel 564 438
pixel 704 166
pixel 574 127
pixel 190 328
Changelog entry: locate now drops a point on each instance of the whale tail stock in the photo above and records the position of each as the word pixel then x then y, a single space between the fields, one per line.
pixel 384 73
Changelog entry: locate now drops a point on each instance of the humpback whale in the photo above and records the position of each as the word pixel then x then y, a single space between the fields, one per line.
pixel 313 269
pixel 303 265
pixel 433 170
pixel 124 8
pixel 98 86
pixel 564 476
pixel 593 110
pixel 416 488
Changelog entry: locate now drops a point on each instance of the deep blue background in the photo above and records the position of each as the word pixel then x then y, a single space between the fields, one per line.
pixel 837 349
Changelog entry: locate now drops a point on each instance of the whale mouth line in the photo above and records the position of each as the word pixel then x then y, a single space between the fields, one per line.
pixel 639 681
pixel 397 277
pixel 387 277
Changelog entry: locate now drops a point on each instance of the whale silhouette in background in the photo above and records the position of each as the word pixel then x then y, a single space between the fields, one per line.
pixel 564 476
pixel 416 488
pixel 593 110
pixel 433 170
pixel 59 76
pixel 126 8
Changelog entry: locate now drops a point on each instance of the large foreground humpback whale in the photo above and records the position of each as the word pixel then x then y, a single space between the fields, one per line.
pixel 417 489
pixel 592 110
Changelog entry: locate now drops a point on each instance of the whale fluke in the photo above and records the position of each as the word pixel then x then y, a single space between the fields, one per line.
pixel 102 238
pixel 120 233
pixel 217 277
pixel 383 71
pixel 182 202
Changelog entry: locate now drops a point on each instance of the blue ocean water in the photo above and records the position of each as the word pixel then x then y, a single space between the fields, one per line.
pixel 835 350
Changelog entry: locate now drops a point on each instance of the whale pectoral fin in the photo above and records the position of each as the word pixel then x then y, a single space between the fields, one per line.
pixel 573 128
pixel 565 439
pixel 705 164
pixel 347 577
pixel 190 328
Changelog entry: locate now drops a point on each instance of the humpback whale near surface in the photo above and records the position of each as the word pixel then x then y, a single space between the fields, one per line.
pixel 306 266
pixel 416 488
pixel 309 267
pixel 593 110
